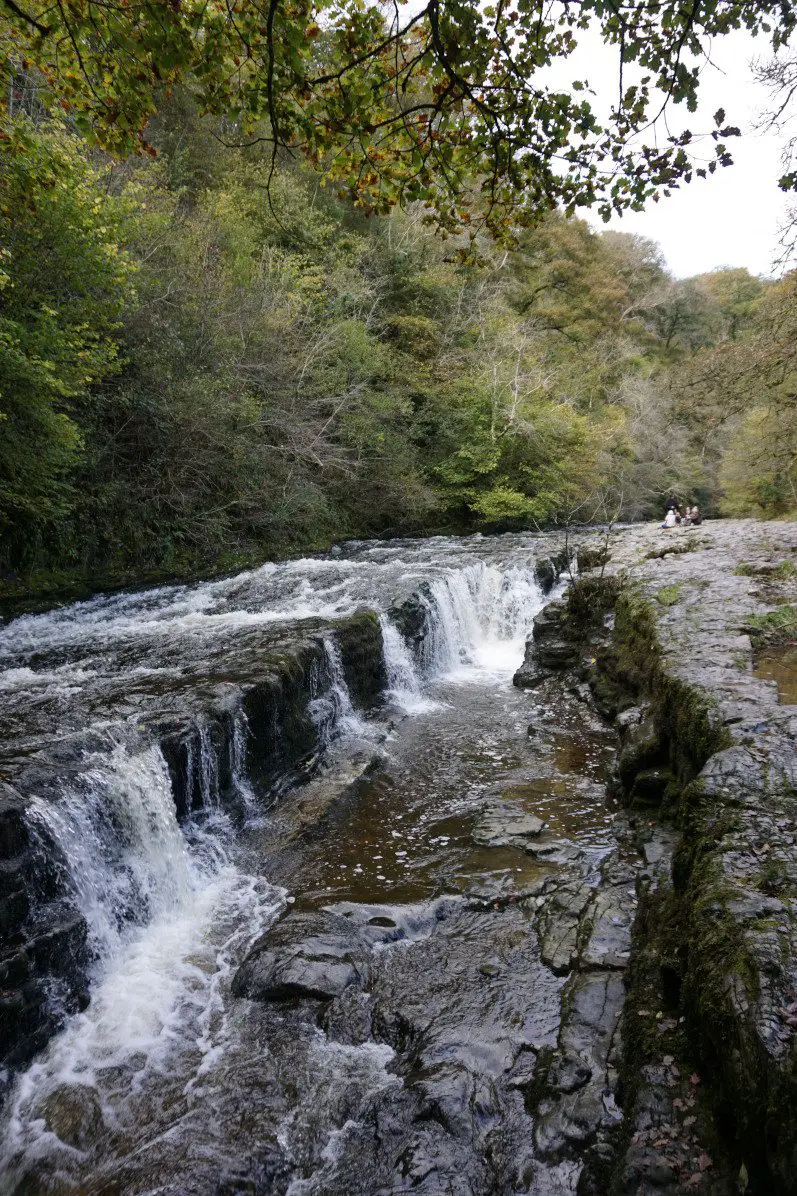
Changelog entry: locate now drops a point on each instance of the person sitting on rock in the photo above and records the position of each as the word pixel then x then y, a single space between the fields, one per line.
pixel 695 518
pixel 670 519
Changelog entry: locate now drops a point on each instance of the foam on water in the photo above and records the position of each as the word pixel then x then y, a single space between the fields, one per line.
pixel 338 1068
pixel 168 915
pixel 403 676
pixel 480 618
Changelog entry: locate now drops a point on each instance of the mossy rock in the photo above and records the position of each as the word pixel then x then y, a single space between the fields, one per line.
pixel 591 558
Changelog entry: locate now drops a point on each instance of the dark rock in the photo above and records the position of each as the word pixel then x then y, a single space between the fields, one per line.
pixel 523 1072
pixel 650 786
pixel 530 674
pixel 628 720
pixel 546 574
pixel 643 748
pixel 588 1035
pixel 568 1073
pixel 412 617
pixel 58 944
pixel 552 646
pixel 548 622
pixel 315 955
pixel 73 1113
pixel 14 837
pixel 360 640
pixel 609 944
pixel 557 654
pixel 559 925
pixel 14 894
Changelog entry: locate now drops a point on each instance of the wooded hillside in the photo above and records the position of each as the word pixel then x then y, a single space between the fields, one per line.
pixel 196 370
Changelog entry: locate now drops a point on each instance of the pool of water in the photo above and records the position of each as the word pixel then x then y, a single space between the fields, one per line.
pixel 780 665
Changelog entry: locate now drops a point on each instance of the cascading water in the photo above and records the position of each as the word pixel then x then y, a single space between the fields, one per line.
pixel 479 616
pixel 208 769
pixel 170 907
pixel 331 709
pixel 240 781
pixel 116 829
pixel 166 912
pixel 403 677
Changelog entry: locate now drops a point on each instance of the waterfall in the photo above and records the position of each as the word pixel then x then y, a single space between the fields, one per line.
pixel 208 769
pixel 479 619
pixel 331 708
pixel 168 905
pixel 240 781
pixel 116 828
pixel 403 679
pixel 168 916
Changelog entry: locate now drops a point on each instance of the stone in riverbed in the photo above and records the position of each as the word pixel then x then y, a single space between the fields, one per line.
pixel 315 955
pixel 568 1073
pixel 505 827
pixel 73 1113
pixel 530 675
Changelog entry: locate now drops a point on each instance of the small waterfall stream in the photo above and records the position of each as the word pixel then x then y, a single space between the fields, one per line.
pixel 172 907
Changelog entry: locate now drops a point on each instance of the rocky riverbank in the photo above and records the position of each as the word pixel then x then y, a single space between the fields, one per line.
pixel 708 771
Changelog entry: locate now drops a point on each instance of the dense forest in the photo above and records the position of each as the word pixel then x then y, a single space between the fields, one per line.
pixel 202 364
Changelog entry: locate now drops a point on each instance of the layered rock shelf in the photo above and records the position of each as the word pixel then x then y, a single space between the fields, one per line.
pixel 254 720
pixel 708 770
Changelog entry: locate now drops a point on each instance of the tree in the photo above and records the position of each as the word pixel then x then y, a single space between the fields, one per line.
pixel 449 104
pixel 741 396
pixel 63 282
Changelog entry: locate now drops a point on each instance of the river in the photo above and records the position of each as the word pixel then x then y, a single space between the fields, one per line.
pixel 175 1077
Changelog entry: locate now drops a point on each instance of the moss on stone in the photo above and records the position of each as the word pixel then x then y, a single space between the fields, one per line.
pixel 670 595
pixel 776 627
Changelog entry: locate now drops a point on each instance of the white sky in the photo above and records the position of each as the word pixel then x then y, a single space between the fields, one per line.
pixel 732 218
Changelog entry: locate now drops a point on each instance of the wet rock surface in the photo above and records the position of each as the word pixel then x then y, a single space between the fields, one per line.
pixel 714 750
pixel 305 955
pixel 503 826
pixel 481 976
pixel 263 691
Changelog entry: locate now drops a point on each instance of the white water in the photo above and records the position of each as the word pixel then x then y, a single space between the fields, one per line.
pixel 240 781
pixel 169 912
pixel 480 619
pixel 403 673
pixel 168 915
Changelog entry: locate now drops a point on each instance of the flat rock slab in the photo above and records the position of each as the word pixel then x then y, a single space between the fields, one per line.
pixel 506 827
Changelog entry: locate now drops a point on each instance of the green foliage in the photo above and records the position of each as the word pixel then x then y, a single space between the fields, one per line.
pixel 777 627
pixel 449 104
pixel 739 396
pixel 63 281
pixel 669 595
pixel 223 362
pixel 783 571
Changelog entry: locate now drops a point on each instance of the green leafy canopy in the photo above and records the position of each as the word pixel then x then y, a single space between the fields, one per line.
pixel 451 104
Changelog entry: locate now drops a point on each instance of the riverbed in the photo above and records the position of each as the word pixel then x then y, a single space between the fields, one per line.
pixel 411 829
